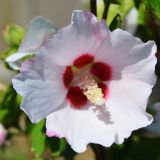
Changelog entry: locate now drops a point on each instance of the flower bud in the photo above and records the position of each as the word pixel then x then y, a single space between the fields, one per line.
pixel 3 134
pixel 13 34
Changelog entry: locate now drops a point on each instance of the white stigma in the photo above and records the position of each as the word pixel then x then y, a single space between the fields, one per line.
pixel 91 90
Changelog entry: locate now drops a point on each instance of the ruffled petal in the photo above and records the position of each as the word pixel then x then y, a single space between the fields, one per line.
pixel 41 86
pixel 154 129
pixel 133 64
pixel 39 31
pixel 128 56
pixel 14 60
pixel 123 113
pixel 144 69
pixel 126 104
pixel 81 127
pixel 83 36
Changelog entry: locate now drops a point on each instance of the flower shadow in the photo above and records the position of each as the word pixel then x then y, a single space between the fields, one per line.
pixel 103 115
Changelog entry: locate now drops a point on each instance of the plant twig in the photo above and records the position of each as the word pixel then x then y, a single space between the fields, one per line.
pixel 106 8
pixel 93 7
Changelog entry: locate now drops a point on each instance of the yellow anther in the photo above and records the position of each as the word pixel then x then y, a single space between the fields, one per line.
pixel 92 91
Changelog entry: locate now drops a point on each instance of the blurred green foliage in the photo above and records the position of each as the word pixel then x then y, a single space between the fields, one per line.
pixel 13 34
pixel 155 5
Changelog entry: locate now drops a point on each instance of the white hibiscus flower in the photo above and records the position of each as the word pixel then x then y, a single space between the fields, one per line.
pixel 91 84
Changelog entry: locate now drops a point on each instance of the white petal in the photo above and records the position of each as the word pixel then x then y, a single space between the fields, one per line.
pixel 80 127
pixel 124 113
pixel 154 128
pixel 144 69
pixel 84 35
pixel 126 104
pixel 39 31
pixel 128 56
pixel 14 59
pixel 40 84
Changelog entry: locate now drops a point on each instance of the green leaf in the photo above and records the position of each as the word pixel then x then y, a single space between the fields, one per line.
pixel 8 52
pixel 2 92
pixel 3 113
pixel 116 22
pixel 122 9
pixel 142 14
pixel 11 103
pixel 68 153
pixel 155 5
pixel 56 145
pixel 137 3
pixel 115 1
pixel 38 138
pixel 13 34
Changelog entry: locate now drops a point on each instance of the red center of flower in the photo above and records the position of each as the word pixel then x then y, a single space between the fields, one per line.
pixel 76 97
pixel 98 70
pixel 83 60
pixel 68 76
pixel 101 70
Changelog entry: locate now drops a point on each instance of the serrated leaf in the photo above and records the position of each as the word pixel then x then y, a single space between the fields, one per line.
pixel 38 138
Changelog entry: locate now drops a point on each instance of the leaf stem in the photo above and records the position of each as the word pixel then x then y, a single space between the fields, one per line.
pixel 105 12
pixel 93 7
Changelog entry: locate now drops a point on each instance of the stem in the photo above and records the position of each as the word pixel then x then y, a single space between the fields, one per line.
pixel 93 7
pixel 105 12
pixel 100 152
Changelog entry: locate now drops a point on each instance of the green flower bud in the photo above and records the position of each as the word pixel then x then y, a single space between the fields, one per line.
pixel 13 34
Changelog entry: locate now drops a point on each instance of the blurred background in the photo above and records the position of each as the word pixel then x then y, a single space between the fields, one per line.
pixel 22 11
pixel 24 141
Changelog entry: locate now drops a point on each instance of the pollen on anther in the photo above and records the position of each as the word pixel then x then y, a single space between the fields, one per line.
pixel 94 94
pixel 104 88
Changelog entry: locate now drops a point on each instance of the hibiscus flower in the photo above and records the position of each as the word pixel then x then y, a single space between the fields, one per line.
pixel 90 84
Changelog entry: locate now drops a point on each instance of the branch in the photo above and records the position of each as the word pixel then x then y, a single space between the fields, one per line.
pixel 105 12
pixel 93 7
